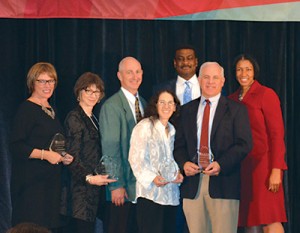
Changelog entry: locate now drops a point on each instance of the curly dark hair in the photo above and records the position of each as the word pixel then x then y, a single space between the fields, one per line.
pixel 151 109
pixel 251 60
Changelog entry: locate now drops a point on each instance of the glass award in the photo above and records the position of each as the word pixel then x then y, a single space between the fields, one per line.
pixel 58 144
pixel 168 170
pixel 203 158
pixel 106 167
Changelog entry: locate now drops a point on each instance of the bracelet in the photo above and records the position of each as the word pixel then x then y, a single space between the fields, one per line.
pixel 88 178
pixel 42 154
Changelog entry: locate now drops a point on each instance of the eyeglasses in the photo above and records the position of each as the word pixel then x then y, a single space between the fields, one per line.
pixel 164 103
pixel 44 82
pixel 90 92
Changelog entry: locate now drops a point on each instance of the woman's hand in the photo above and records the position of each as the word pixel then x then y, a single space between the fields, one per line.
pixel 275 180
pixel 100 180
pixel 179 179
pixel 159 181
pixel 52 157
pixel 67 159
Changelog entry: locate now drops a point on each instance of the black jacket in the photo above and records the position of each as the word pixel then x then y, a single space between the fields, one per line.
pixel 80 199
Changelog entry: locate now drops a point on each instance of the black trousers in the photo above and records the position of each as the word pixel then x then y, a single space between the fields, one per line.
pixel 79 226
pixel 120 219
pixel 153 217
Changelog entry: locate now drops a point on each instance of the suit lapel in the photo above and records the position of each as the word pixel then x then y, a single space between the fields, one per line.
pixel 192 129
pixel 173 85
pixel 128 113
pixel 220 111
pixel 144 102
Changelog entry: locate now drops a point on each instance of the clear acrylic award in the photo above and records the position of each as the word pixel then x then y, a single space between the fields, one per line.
pixel 169 170
pixel 203 158
pixel 107 167
pixel 58 144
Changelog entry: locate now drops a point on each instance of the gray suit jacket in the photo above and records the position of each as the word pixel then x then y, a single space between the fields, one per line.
pixel 116 122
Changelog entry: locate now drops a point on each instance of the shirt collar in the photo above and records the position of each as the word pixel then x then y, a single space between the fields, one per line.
pixel 129 95
pixel 162 128
pixel 193 80
pixel 212 100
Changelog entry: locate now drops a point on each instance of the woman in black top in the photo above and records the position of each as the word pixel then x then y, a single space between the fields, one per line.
pixel 83 142
pixel 36 171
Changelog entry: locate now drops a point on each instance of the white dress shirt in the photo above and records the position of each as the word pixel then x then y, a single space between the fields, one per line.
pixel 180 87
pixel 149 148
pixel 131 100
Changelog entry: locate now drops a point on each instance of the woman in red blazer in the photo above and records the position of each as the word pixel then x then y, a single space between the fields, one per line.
pixel 262 195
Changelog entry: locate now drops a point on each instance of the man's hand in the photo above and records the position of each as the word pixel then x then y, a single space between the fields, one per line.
pixel 212 169
pixel 118 196
pixel 191 169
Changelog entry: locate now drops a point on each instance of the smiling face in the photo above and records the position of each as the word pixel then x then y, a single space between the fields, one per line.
pixel 244 73
pixel 185 63
pixel 89 96
pixel 43 87
pixel 211 79
pixel 130 74
pixel 165 106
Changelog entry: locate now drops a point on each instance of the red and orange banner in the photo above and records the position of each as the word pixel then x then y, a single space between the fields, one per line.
pixel 256 10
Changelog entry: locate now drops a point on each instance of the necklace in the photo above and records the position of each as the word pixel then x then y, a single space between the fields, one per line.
pixel 241 97
pixel 94 121
pixel 49 111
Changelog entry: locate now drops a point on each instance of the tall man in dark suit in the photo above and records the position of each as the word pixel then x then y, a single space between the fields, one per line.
pixel 211 194
pixel 185 85
pixel 119 114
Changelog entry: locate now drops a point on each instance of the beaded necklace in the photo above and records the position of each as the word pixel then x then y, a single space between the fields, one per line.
pixel 49 111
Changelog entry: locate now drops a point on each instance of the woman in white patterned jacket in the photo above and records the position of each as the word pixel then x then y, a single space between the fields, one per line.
pixel 152 162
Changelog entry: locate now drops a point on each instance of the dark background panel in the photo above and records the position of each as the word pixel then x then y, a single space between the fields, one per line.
pixel 75 46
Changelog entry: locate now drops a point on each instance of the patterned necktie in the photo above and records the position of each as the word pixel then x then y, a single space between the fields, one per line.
pixel 187 94
pixel 204 148
pixel 138 115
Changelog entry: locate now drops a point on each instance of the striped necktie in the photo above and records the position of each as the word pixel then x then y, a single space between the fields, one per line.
pixel 187 94
pixel 138 115
pixel 204 148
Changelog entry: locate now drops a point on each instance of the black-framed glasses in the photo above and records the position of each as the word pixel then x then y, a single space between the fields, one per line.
pixel 44 82
pixel 91 92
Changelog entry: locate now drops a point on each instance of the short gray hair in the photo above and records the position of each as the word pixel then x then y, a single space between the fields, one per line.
pixel 211 63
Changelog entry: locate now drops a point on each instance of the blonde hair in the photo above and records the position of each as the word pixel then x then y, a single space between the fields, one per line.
pixel 36 70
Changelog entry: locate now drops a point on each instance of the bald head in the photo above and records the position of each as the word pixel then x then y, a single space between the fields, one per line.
pixel 128 60
pixel 130 74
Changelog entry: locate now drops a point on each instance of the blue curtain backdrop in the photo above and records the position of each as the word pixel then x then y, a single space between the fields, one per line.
pixel 75 46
